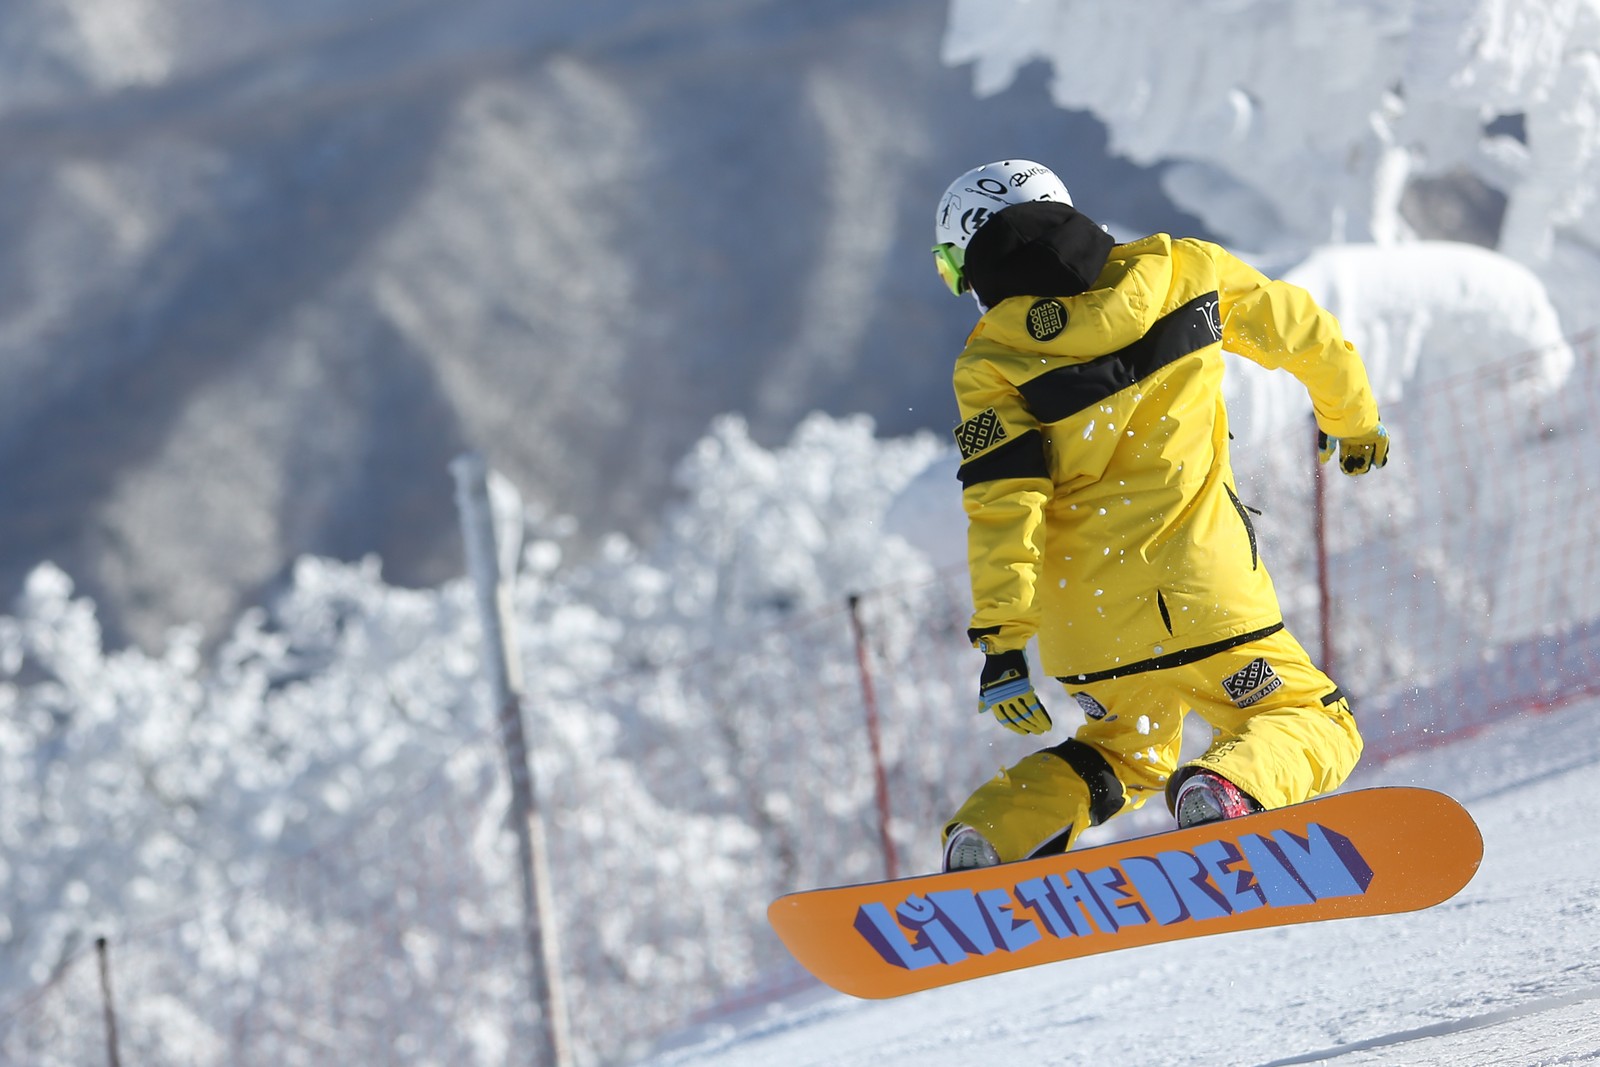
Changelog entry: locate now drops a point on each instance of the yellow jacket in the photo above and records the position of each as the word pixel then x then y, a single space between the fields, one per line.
pixel 1103 514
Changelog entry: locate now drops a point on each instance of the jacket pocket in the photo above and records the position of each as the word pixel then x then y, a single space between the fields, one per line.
pixel 1249 527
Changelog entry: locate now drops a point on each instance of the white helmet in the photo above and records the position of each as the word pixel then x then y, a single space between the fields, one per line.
pixel 975 196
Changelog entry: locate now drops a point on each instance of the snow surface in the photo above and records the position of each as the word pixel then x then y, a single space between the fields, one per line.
pixel 1505 973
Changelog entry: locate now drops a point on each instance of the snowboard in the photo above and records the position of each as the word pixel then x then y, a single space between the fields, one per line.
pixel 1366 852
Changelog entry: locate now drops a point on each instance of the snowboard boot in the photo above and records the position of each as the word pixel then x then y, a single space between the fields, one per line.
pixel 1208 797
pixel 966 849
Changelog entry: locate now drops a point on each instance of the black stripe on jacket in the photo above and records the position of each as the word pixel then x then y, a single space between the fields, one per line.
pixel 1063 392
pixel 1181 658
pixel 1020 457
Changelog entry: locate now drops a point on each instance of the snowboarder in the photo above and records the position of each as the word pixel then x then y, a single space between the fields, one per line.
pixel 1104 519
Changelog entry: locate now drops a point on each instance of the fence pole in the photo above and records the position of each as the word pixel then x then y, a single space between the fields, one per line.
pixel 869 697
pixel 113 1049
pixel 494 603
pixel 1319 521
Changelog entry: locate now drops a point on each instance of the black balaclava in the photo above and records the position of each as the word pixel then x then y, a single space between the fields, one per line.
pixel 1040 248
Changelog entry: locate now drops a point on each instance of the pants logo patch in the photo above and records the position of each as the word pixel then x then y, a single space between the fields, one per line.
pixel 979 432
pixel 1091 707
pixel 1253 684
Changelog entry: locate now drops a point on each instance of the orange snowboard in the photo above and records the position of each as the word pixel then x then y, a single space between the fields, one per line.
pixel 1367 852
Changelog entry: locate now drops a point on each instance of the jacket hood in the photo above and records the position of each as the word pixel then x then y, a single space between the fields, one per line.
pixel 1041 248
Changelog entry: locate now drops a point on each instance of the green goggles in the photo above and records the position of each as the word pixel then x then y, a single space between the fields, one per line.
pixel 951 263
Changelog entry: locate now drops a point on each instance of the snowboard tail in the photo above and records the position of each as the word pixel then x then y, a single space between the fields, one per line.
pixel 1367 852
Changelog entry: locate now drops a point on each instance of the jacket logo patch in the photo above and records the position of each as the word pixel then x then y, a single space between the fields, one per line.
pixel 1253 684
pixel 1046 319
pixel 979 432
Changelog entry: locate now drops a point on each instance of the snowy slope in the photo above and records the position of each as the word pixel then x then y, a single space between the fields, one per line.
pixel 1506 973
pixel 268 265
pixel 272 263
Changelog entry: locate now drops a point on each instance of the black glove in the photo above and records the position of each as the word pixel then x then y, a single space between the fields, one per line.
pixel 1357 455
pixel 1004 690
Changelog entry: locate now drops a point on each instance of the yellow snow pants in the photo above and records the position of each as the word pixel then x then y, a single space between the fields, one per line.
pixel 1282 732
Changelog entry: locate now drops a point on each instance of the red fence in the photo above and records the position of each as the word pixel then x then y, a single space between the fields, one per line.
pixel 1463 581
pixel 1459 586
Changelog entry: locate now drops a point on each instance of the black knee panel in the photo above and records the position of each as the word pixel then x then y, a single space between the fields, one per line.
pixel 1106 797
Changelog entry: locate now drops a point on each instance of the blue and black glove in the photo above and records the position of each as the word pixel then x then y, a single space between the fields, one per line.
pixel 1005 692
pixel 1357 455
